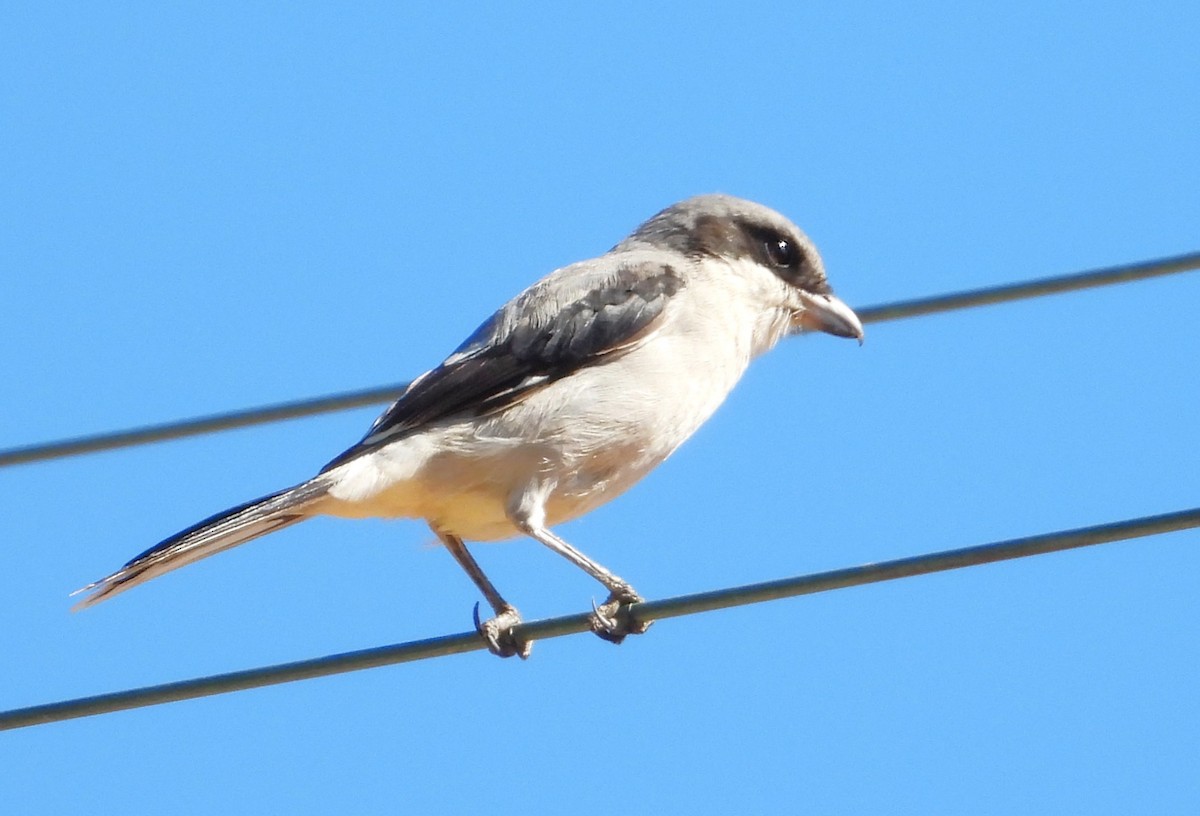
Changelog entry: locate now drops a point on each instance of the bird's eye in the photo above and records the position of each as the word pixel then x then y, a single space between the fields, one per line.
pixel 781 252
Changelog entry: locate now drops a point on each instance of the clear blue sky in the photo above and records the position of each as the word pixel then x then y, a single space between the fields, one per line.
pixel 207 208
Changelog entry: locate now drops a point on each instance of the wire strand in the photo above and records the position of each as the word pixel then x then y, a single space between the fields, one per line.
pixel 77 446
pixel 1006 293
pixel 573 624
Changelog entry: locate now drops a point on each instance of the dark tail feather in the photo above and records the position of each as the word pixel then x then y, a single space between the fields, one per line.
pixel 216 533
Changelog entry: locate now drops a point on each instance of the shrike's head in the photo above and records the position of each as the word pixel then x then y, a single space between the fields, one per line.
pixel 736 230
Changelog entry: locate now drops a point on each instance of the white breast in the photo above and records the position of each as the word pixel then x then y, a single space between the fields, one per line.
pixel 591 435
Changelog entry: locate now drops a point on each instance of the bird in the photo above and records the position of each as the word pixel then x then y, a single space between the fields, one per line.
pixel 562 400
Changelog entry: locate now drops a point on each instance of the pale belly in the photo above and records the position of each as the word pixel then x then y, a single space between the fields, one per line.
pixel 470 494
pixel 585 445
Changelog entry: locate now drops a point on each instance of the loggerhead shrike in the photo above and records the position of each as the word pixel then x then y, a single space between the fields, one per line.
pixel 562 400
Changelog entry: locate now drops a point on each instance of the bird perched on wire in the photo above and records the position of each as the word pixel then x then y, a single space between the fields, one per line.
pixel 562 400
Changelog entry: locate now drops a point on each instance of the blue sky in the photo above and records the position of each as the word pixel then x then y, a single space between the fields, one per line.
pixel 213 207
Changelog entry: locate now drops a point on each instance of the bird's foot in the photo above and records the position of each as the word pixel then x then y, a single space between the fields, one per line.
pixel 498 633
pixel 612 621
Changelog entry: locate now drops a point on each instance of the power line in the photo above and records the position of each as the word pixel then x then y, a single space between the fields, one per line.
pixel 200 425
pixel 573 624
pixel 1025 290
pixel 372 396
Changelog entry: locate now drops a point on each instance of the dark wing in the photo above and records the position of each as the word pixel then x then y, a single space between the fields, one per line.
pixel 577 317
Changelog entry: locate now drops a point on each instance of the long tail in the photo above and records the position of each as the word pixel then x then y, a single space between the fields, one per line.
pixel 234 526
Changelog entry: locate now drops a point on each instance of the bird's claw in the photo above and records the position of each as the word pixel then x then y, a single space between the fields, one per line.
pixel 498 635
pixel 611 620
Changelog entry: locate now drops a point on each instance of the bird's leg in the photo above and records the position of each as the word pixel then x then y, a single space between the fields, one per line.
pixel 611 620
pixel 497 632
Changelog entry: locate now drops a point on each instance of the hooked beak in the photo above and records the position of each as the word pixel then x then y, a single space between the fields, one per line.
pixel 825 313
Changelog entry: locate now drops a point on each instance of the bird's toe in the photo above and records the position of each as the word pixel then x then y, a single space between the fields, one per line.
pixel 612 621
pixel 498 634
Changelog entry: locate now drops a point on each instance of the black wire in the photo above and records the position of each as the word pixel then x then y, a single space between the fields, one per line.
pixel 572 624
pixel 45 451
